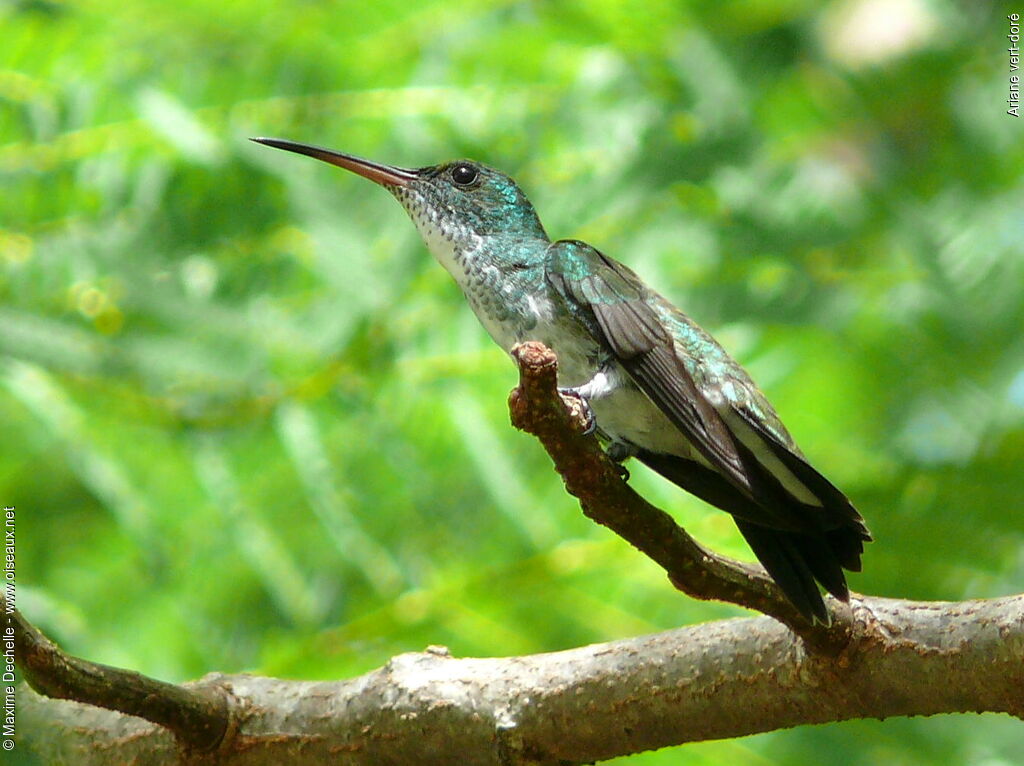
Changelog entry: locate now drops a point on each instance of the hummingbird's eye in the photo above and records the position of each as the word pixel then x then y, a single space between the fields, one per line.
pixel 464 175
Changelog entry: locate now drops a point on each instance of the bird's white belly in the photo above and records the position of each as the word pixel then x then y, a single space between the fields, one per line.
pixel 626 414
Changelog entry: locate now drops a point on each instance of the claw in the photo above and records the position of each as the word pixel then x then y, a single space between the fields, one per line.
pixel 585 410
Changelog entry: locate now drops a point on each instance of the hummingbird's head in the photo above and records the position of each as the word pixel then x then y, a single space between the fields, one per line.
pixel 459 202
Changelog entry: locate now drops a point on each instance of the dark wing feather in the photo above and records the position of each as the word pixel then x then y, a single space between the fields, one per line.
pixel 629 326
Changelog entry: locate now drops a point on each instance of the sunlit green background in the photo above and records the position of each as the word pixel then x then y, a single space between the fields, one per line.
pixel 249 424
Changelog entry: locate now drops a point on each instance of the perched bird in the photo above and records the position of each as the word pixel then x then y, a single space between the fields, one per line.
pixel 659 387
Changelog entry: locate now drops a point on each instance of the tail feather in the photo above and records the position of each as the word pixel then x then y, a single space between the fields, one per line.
pixel 788 565
pixel 822 560
pixel 847 547
pixel 795 559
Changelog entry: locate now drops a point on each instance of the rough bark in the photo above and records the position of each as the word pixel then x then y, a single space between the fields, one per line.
pixel 716 680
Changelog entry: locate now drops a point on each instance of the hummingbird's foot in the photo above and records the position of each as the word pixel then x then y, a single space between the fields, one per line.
pixel 590 422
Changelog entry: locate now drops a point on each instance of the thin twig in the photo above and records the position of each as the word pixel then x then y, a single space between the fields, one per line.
pixel 198 715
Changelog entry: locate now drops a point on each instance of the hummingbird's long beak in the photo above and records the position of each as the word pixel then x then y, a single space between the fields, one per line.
pixel 386 175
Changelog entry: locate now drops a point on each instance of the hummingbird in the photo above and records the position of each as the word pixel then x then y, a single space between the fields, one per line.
pixel 657 387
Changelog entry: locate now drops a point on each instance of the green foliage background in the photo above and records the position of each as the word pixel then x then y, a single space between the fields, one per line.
pixel 248 424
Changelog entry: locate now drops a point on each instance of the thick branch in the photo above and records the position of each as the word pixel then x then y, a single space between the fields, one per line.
pixel 716 680
pixel 556 420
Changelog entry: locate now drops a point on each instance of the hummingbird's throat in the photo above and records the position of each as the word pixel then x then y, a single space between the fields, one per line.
pixel 450 243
